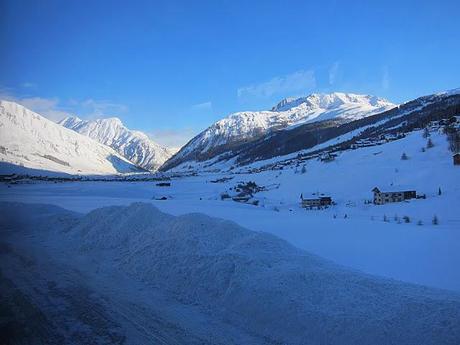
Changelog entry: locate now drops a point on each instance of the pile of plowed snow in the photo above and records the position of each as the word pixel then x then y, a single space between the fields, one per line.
pixel 261 283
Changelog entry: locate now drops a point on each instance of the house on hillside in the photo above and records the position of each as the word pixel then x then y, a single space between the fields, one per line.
pixel 323 201
pixel 456 158
pixel 381 198
pixel 164 184
pixel 327 157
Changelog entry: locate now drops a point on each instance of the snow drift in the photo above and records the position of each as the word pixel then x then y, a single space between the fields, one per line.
pixel 258 282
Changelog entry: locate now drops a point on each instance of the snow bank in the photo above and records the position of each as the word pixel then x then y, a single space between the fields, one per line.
pixel 263 284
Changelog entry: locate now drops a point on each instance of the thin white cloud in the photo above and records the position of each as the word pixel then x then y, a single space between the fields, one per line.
pixel 203 106
pixel 54 109
pixel 101 108
pixel 29 85
pixel 173 138
pixel 333 73
pixel 385 78
pixel 47 107
pixel 299 81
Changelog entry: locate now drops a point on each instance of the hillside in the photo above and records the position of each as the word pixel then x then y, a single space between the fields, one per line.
pixel 237 129
pixel 28 140
pixel 334 134
pixel 135 146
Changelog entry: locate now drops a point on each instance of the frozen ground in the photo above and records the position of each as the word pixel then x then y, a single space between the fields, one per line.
pixel 136 275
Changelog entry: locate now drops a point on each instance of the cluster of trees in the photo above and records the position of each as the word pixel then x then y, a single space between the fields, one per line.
pixel 406 219
pixel 453 137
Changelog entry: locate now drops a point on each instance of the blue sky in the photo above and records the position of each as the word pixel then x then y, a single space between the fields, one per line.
pixel 171 68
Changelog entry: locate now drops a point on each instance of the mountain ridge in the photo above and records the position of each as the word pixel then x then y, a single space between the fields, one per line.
pixel 247 126
pixel 337 133
pixel 134 145
pixel 29 140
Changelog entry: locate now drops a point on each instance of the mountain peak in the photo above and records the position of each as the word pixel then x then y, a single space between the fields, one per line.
pixel 111 120
pixel 135 146
pixel 32 141
pixel 70 120
pixel 329 101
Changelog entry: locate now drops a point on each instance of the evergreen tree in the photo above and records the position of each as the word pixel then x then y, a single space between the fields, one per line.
pixel 439 191
pixel 429 144
pixel 435 220
pixel 426 133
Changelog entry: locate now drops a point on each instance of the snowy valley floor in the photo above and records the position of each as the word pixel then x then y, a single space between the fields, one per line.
pixel 427 254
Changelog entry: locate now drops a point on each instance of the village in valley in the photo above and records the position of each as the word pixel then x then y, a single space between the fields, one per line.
pixel 257 191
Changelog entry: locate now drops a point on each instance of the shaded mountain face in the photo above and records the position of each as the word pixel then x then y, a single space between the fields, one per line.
pixel 308 135
pixel 404 118
pixel 29 140
pixel 244 127
pixel 135 146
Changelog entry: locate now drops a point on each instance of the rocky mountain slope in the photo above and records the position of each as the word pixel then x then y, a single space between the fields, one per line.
pixel 243 127
pixel 31 141
pixel 135 146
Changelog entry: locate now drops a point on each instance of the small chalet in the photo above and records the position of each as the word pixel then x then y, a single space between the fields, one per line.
pixel 456 158
pixel 327 157
pixel 164 184
pixel 323 201
pixel 381 198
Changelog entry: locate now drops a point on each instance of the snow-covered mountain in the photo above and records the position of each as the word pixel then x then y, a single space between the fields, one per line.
pixel 133 145
pixel 290 112
pixel 32 141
